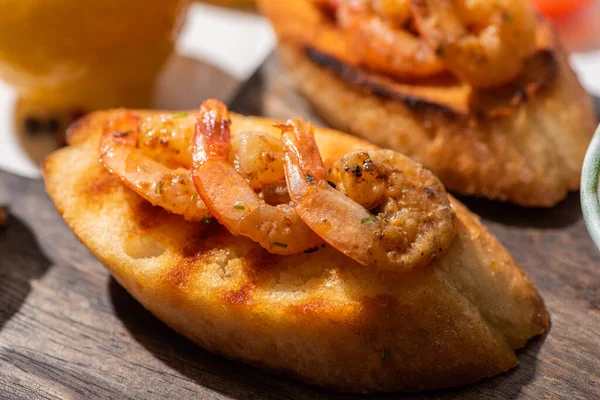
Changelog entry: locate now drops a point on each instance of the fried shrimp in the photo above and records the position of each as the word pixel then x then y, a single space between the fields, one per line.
pixel 386 210
pixel 484 43
pixel 229 197
pixel 171 189
pixel 377 35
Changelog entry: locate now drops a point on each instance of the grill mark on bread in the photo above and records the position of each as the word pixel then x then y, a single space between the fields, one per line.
pixel 258 265
pixel 179 275
pixel 99 185
pixel 364 80
pixel 541 72
pixel 196 244
pixel 239 297
pixel 145 215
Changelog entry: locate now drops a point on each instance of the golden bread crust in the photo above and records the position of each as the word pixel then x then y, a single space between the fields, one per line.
pixel 318 317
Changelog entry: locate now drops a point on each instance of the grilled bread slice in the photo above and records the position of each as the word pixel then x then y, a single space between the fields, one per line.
pixel 318 317
pixel 523 142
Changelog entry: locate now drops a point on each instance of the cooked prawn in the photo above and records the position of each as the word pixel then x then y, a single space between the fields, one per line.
pixel 256 156
pixel 397 12
pixel 229 197
pixel 171 189
pixel 484 43
pixel 377 36
pixel 162 146
pixel 386 210
pixel 167 138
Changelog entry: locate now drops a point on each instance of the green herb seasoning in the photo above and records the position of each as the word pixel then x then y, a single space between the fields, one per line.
pixel 282 245
pixel 238 207
pixel 180 115
pixel 367 221
pixel 384 354
pixel 310 178
pixel 159 187
pixel 309 251
pixel 206 219
pixel 194 196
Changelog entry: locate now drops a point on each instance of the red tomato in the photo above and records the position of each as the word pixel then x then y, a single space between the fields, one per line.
pixel 555 8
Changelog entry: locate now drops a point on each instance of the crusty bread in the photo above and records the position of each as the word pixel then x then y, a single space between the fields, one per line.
pixel 525 146
pixel 319 317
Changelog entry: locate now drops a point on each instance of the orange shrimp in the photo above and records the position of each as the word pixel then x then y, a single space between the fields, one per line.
pixel 231 200
pixel 382 44
pixel 171 189
pixel 484 43
pixel 386 210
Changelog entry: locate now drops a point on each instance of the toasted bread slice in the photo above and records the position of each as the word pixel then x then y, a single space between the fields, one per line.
pixel 524 142
pixel 318 317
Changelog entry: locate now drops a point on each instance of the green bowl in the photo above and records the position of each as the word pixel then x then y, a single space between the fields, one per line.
pixel 590 203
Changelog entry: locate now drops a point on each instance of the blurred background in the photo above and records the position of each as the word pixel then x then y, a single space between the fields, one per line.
pixel 216 46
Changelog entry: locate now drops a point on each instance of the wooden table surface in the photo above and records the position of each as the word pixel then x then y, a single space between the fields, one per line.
pixel 68 330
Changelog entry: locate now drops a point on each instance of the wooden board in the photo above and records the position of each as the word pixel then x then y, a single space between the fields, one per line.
pixel 68 330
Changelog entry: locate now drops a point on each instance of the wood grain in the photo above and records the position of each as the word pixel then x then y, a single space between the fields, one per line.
pixel 69 331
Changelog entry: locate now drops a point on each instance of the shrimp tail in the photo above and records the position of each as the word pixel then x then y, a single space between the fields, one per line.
pixel 124 130
pixel 213 133
pixel 303 159
pixel 231 200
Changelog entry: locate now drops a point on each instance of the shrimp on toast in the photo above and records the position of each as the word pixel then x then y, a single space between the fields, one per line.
pixel 383 44
pixel 385 211
pixel 153 157
pixel 485 43
pixel 320 318
pixel 229 197
pixel 505 119
pixel 256 156
pixel 171 189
